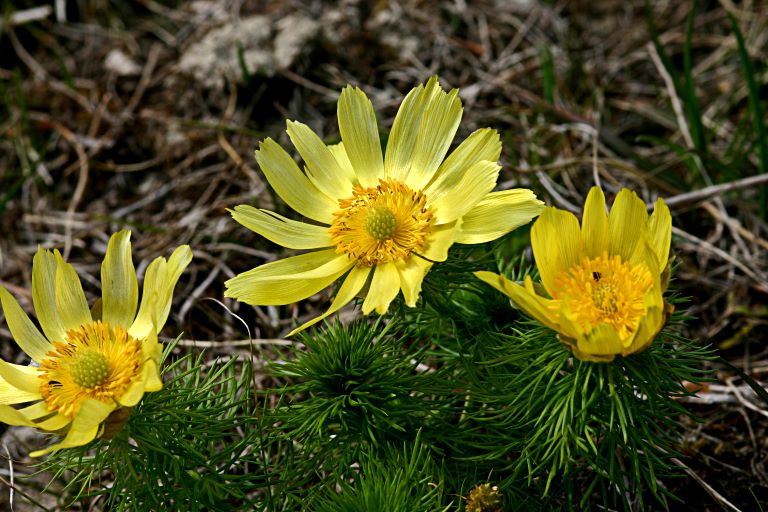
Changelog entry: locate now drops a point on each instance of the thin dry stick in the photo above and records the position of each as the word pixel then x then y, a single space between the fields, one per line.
pixel 722 254
pixel 677 106
pixel 706 192
pixel 710 490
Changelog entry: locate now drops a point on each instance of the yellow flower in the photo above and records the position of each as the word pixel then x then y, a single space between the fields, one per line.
pixel 604 280
pixel 378 220
pixel 89 363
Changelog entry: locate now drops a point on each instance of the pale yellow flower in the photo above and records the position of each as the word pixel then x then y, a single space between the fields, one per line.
pixel 378 221
pixel 87 364
pixel 603 282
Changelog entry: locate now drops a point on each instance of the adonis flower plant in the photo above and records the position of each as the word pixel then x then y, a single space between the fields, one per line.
pixel 87 363
pixel 379 221
pixel 603 281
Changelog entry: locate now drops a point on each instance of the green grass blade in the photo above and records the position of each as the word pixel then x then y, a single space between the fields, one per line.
pixel 755 108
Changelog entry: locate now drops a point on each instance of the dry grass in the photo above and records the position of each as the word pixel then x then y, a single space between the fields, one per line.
pixel 88 146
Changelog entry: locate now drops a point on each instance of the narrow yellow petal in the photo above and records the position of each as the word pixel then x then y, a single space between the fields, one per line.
pixel 84 427
pixel 442 114
pixel 44 295
pixel 595 233
pixel 13 417
pixel 647 331
pixel 281 230
pixel 352 284
pixel 627 220
pixel 413 270
pixel 402 136
pixel 292 185
pixel 36 411
pixel 10 394
pixel 341 156
pixel 288 280
pixel 439 241
pixel 360 133
pixel 54 423
pixel 384 287
pixel 70 298
pixel 159 282
pixel 453 195
pixel 661 231
pixel 556 242
pixel 481 145
pixel 498 214
pixel 601 345
pixel 23 378
pixel 522 297
pixel 324 170
pixel 24 332
pixel 119 286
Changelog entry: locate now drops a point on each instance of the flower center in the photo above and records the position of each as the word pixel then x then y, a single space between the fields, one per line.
pixel 89 369
pixel 604 290
pixel 381 224
pixel 95 361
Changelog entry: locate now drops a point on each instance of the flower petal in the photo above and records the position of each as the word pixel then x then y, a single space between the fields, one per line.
pixel 70 298
pixel 119 286
pixel 54 423
pixel 452 195
pixel 649 327
pixel 601 345
pixel 44 295
pixel 360 133
pixel 594 224
pixel 292 185
pixel 498 214
pixel 483 144
pixel 159 282
pixel 628 220
pixel 24 332
pixel 384 287
pixel 288 280
pixel 522 297
pixel 413 270
pixel 324 170
pixel 340 154
pixel 661 232
pixel 10 394
pixel 23 378
pixel 84 427
pixel 442 114
pixel 352 284
pixel 556 242
pixel 13 417
pixel 281 230
pixel 402 136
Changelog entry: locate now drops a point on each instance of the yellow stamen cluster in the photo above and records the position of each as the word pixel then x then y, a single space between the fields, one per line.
pixel 95 361
pixel 381 224
pixel 604 290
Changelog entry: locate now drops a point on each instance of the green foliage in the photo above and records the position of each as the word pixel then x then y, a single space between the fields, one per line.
pixel 392 481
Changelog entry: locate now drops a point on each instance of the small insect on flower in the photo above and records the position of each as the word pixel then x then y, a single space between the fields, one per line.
pixel 605 280
pixel 378 221
pixel 90 366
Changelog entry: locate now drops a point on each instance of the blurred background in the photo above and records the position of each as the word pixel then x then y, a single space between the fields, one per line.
pixel 145 115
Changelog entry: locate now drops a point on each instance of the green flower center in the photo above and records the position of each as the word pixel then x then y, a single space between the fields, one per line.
pixel 89 369
pixel 380 223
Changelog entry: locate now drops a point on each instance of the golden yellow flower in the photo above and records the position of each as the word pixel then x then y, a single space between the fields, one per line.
pixel 378 220
pixel 89 363
pixel 604 280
